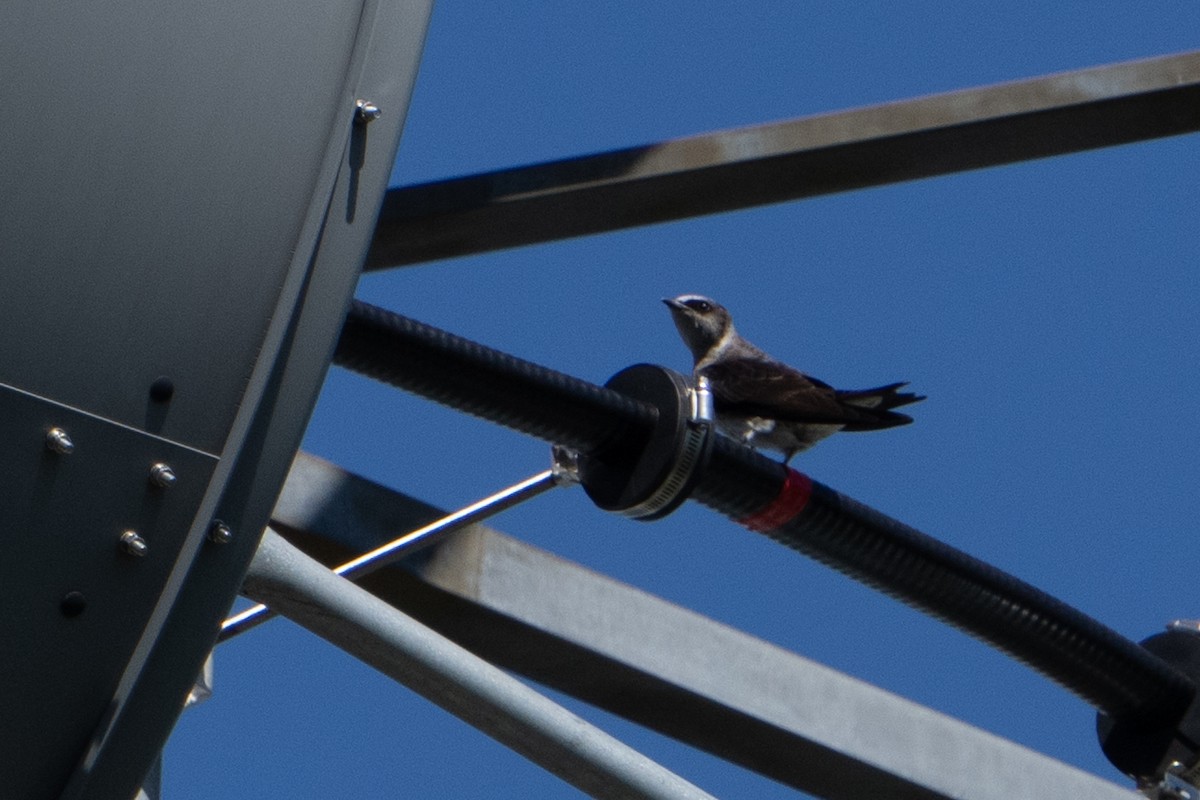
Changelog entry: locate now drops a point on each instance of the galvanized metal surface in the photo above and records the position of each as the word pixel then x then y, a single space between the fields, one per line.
pixel 835 152
pixel 670 669
pixel 465 685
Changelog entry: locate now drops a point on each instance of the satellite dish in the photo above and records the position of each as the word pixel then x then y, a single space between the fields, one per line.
pixel 188 193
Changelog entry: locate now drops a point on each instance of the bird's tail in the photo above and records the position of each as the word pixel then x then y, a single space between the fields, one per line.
pixel 880 401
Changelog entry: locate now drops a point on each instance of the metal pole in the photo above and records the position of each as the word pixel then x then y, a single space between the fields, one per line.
pixel 400 547
pixel 463 684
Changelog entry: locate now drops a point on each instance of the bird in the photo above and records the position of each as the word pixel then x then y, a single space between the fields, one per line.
pixel 765 403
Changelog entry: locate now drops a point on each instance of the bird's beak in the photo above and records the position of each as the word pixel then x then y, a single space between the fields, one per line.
pixel 673 303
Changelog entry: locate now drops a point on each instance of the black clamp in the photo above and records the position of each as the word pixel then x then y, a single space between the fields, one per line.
pixel 1162 754
pixel 651 483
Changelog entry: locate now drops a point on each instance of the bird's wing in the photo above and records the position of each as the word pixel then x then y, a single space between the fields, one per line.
pixel 882 397
pixel 755 388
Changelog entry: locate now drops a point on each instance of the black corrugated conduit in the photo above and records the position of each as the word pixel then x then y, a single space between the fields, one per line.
pixel 467 376
pixel 1117 676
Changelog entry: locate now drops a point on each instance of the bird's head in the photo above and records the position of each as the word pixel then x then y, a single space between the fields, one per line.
pixel 702 322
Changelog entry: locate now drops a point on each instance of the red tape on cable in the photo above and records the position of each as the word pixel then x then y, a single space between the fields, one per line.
pixel 791 500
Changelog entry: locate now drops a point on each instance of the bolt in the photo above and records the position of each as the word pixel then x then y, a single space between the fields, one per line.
pixel 162 475
pixel 133 544
pixel 58 441
pixel 220 533
pixel 564 465
pixel 366 111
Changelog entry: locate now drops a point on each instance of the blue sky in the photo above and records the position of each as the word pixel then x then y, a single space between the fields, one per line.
pixel 1047 309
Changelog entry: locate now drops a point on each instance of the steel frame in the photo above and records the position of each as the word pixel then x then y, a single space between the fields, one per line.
pixel 699 681
pixel 504 600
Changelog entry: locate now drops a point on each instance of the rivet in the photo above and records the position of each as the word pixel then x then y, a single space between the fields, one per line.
pixel 72 604
pixel 220 533
pixel 162 475
pixel 366 111
pixel 59 442
pixel 134 544
pixel 162 390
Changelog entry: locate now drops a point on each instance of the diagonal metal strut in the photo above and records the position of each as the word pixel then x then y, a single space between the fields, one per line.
pixel 757 165
pixel 394 550
pixel 465 685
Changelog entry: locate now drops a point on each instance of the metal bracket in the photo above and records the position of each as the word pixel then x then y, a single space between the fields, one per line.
pixel 1179 783
pixel 652 483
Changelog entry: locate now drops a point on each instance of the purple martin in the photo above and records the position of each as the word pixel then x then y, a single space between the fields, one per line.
pixel 765 403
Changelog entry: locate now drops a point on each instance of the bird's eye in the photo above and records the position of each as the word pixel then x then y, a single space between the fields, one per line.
pixel 703 306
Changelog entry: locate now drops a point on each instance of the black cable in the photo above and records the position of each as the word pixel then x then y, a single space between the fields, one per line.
pixel 470 377
pixel 1117 676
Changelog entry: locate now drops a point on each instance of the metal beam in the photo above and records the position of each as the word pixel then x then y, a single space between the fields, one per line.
pixel 499 705
pixel 752 166
pixel 665 667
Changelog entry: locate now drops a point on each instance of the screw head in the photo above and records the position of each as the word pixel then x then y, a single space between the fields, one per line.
pixel 366 111
pixel 220 533
pixel 133 544
pixel 162 475
pixel 57 441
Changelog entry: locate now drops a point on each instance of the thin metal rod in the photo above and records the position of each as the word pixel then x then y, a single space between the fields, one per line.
pixel 393 551
pixel 482 695
pixel 405 545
